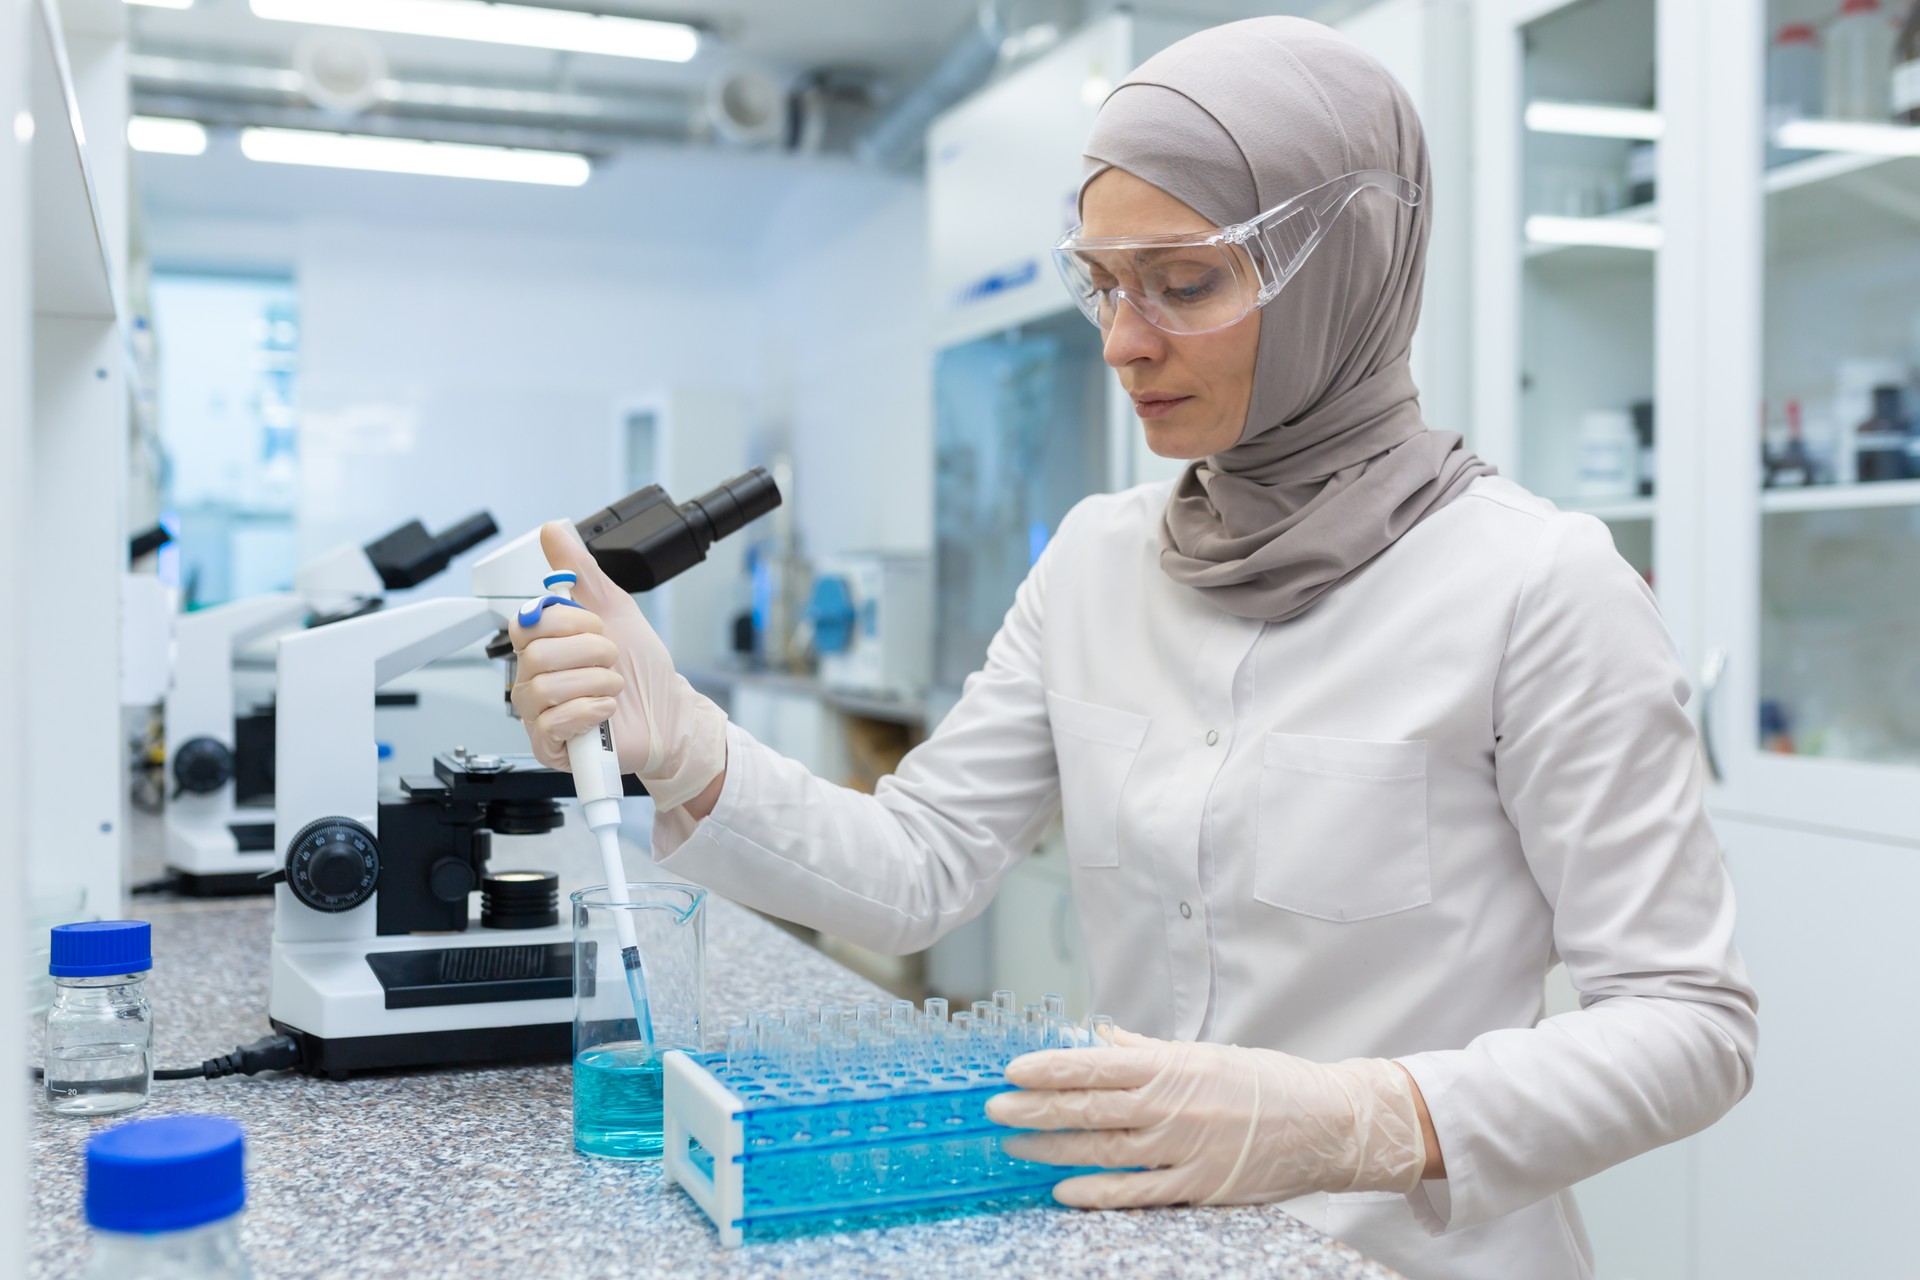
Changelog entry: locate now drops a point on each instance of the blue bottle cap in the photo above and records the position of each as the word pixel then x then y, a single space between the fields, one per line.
pixel 166 1175
pixel 564 575
pixel 101 948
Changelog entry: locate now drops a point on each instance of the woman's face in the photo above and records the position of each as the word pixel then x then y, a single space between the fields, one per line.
pixel 1190 390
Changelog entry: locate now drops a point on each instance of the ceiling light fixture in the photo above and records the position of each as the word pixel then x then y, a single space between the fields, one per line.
pixel 408 155
pixel 1604 233
pixel 1864 137
pixel 518 24
pixel 164 4
pixel 159 135
pixel 1594 120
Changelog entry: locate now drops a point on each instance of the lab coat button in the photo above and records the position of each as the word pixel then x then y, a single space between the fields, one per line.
pixel 1186 911
pixel 1213 736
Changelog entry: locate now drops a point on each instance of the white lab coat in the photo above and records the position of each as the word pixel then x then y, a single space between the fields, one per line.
pixel 1368 831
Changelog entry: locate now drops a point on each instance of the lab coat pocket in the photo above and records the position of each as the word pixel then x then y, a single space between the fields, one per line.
pixel 1343 827
pixel 1095 747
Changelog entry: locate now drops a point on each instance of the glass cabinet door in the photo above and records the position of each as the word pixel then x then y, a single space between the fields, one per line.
pixel 1822 691
pixel 1590 237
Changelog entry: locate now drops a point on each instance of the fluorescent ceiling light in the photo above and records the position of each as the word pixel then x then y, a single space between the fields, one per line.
pixel 164 4
pixel 166 137
pixel 519 24
pixel 1606 233
pixel 1593 120
pixel 406 155
pixel 1862 136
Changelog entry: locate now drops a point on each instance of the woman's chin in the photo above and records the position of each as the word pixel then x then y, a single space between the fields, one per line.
pixel 1179 441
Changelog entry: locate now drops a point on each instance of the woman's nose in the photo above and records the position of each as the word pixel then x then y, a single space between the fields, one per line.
pixel 1131 337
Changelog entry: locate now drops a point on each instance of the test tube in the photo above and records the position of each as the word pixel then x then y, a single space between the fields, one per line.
pixel 1056 1005
pixel 1100 1030
pixel 736 1047
pixel 902 1014
pixel 1006 1002
pixel 936 1008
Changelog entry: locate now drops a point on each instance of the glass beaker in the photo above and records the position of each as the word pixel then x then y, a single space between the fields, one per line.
pixel 625 1017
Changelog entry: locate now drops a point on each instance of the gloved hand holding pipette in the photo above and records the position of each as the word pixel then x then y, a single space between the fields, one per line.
pixel 595 765
pixel 603 662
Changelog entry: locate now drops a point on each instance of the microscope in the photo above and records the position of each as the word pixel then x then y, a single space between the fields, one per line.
pixel 377 959
pixel 219 834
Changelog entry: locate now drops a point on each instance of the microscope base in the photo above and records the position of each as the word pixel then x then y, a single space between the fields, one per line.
pixel 221 852
pixel 340 1057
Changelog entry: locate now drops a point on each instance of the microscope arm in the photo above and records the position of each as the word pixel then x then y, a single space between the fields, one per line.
pixel 200 704
pixel 324 734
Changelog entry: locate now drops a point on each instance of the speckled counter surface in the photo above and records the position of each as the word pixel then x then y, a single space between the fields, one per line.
pixel 473 1172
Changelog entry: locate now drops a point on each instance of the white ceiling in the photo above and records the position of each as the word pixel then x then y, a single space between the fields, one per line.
pixel 896 38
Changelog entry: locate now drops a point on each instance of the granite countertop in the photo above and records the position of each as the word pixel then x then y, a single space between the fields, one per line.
pixel 472 1172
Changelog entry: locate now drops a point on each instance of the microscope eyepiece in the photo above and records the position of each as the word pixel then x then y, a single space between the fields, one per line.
pixel 645 539
pixel 410 555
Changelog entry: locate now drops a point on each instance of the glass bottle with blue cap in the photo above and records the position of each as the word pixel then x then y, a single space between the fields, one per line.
pixel 164 1199
pixel 100 1028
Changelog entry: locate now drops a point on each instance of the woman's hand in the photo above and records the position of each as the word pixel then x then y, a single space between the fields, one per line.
pixel 603 661
pixel 1211 1123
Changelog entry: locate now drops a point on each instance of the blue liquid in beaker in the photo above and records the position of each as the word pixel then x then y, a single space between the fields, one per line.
pixel 616 1101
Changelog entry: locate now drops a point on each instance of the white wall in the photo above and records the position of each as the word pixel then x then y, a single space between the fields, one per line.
pixel 848 359
pixel 452 362
pixel 443 373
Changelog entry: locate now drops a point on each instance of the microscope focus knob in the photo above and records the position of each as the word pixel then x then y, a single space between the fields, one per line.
pixel 333 864
pixel 202 765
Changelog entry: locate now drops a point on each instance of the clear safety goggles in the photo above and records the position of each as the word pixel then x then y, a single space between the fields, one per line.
pixel 1191 283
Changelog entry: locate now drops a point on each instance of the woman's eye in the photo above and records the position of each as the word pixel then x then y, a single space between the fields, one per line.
pixel 1184 291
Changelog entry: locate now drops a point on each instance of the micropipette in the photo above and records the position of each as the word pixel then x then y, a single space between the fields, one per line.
pixel 596 780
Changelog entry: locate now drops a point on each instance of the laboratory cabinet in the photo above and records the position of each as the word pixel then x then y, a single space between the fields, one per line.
pixel 63 406
pixel 1697 251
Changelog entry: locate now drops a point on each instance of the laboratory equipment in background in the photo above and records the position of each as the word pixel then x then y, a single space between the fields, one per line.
pixel 1906 68
pixel 1787 463
pixel 1609 455
pixel 1859 62
pixel 617 1062
pixel 99 1055
pixel 164 1199
pixel 1884 442
pixel 1795 84
pixel 376 961
pixel 858 1112
pixel 221 765
pixel 767 635
pixel 870 614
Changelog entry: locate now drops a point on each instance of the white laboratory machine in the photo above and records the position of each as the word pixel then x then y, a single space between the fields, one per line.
pixel 871 614
pixel 377 961
pixel 217 760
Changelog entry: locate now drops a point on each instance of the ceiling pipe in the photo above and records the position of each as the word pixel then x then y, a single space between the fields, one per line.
pixel 220 92
pixel 896 139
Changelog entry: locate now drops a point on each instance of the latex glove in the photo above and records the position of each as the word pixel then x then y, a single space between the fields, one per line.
pixel 578 667
pixel 1211 1123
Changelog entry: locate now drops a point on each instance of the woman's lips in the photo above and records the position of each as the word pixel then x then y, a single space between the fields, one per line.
pixel 1157 406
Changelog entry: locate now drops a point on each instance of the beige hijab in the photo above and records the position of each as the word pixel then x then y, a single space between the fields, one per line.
pixel 1334 461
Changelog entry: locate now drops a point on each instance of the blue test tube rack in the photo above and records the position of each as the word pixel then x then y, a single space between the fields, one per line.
pixel 853 1111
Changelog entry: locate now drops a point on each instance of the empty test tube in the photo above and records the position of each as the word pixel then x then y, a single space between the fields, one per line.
pixel 1100 1029
pixel 936 1008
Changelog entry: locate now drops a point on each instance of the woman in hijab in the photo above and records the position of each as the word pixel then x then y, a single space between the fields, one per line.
pixel 1353 739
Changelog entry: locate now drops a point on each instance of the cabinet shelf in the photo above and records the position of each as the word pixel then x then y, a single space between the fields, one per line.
pixel 73 271
pixel 1842 497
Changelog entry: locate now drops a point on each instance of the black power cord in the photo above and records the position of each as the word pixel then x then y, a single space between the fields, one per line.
pixel 268 1053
